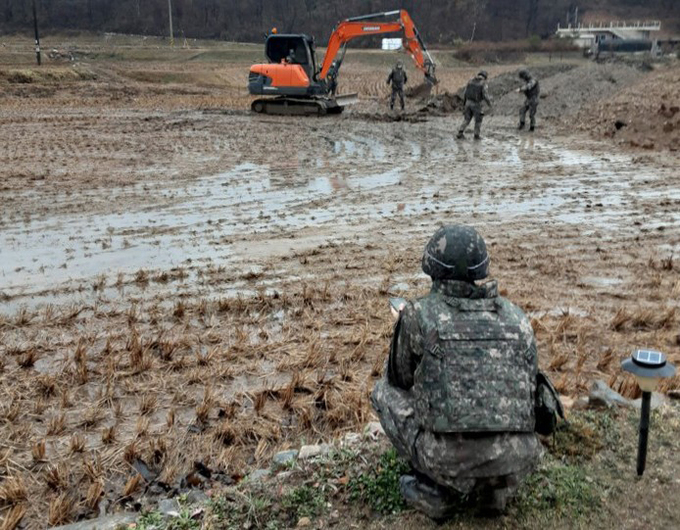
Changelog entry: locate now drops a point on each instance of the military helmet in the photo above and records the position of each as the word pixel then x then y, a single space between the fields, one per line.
pixel 456 252
pixel 484 74
pixel 400 64
pixel 524 74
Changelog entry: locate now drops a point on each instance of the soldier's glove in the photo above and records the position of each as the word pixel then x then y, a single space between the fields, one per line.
pixel 548 406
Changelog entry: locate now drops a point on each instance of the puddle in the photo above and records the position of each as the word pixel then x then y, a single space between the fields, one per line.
pixel 360 180
pixel 596 281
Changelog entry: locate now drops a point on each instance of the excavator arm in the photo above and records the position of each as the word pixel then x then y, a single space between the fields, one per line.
pixel 361 26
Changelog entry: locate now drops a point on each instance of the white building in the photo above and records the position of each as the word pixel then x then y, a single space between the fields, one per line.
pixel 588 35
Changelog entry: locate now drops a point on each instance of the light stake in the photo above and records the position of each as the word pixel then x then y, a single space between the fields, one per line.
pixel 648 367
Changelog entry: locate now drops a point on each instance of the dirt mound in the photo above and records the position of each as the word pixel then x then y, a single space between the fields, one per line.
pixel 507 83
pixel 387 117
pixel 420 91
pixel 445 103
pixel 499 86
pixel 565 93
pixel 646 114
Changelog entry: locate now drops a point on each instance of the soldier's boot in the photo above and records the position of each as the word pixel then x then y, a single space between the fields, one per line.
pixel 531 128
pixel 492 502
pixel 478 137
pixel 460 135
pixel 520 126
pixel 433 500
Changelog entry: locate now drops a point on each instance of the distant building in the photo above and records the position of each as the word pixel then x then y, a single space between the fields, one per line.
pixel 592 35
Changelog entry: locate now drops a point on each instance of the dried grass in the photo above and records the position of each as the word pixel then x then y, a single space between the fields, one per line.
pixel 57 477
pixel 93 469
pixel 148 404
pixel 109 435
pixel 308 373
pixel 132 485
pixel 46 385
pixel 56 425
pixel 61 509
pixel 76 444
pixel 28 359
pixel 38 452
pixel 13 491
pixel 13 517
pixel 95 492
pixel 644 319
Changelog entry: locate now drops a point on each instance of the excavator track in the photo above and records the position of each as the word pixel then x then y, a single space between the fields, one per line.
pixel 290 106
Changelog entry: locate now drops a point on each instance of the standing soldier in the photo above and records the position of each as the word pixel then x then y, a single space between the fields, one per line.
pixel 476 92
pixel 531 92
pixel 398 79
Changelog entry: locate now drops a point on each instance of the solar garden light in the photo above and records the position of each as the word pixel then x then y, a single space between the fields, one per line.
pixel 648 367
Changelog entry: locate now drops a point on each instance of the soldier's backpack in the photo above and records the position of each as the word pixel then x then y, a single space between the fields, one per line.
pixel 548 406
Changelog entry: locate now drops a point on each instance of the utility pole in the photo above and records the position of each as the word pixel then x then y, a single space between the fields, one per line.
pixel 172 36
pixel 37 37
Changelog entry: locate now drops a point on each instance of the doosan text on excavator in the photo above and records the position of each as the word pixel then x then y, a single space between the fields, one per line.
pixel 294 84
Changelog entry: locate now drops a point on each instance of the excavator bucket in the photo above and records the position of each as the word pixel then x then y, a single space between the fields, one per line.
pixel 347 99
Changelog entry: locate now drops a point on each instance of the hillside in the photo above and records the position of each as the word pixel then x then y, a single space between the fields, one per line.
pixel 440 22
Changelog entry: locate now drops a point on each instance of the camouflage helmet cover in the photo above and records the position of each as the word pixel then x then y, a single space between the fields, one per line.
pixel 524 74
pixel 456 252
pixel 483 73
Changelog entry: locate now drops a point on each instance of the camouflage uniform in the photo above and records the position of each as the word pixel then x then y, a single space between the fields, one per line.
pixel 397 79
pixel 457 398
pixel 476 92
pixel 531 91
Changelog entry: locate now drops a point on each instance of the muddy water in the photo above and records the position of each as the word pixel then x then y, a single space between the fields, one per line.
pixel 363 179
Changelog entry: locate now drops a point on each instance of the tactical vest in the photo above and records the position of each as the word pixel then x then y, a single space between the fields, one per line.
pixel 478 370
pixel 474 91
pixel 533 92
pixel 398 77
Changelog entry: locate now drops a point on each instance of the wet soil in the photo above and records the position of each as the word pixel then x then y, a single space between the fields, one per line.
pixel 184 282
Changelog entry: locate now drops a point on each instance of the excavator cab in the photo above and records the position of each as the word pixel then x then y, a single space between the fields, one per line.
pixel 292 49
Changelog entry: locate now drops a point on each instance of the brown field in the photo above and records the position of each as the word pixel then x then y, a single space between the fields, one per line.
pixel 184 284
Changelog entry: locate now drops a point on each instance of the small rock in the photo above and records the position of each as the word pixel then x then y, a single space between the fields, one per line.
pixel 141 468
pixel 169 507
pixel 311 451
pixel 567 402
pixel 304 521
pixel 658 400
pixel 581 403
pixel 197 497
pixel 398 288
pixel 259 474
pixel 374 429
pixel 109 522
pixel 601 396
pixel 284 458
pixel 351 438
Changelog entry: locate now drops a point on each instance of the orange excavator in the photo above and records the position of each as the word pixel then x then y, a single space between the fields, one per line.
pixel 294 84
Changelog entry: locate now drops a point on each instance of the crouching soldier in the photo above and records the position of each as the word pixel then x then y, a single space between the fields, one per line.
pixel 461 385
